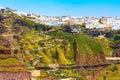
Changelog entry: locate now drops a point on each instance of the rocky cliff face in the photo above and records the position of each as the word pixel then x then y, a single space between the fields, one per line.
pixel 88 60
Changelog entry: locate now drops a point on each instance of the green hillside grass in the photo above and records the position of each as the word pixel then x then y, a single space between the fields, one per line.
pixel 10 61
pixel 85 44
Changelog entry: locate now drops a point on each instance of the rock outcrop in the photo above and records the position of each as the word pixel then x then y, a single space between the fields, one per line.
pixel 90 60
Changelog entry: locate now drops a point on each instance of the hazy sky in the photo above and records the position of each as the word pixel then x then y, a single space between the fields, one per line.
pixel 66 7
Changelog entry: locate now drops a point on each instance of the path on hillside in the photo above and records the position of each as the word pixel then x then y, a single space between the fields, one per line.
pixel 113 58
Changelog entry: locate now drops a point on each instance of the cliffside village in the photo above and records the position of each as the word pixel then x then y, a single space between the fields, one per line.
pixel 102 23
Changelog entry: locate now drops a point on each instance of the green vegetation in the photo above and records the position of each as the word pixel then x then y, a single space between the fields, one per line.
pixel 117 37
pixel 6 65
pixel 10 61
pixel 28 22
pixel 13 70
pixel 82 40
pixel 105 43
pixel 110 72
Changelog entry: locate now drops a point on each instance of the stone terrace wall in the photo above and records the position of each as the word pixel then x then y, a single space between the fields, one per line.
pixel 15 76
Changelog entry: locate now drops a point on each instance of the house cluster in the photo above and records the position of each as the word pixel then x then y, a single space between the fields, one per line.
pixel 55 20
pixel 103 23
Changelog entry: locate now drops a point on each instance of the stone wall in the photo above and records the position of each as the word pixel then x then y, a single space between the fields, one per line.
pixel 15 76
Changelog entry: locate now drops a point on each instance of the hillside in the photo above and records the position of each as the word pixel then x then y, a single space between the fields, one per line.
pixel 24 43
pixel 81 47
pixel 30 41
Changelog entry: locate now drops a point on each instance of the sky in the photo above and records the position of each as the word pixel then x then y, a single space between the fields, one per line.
pixel 79 8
